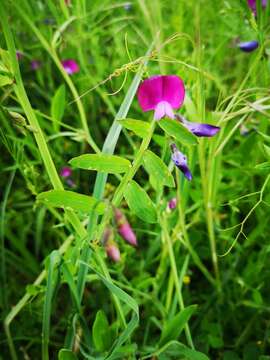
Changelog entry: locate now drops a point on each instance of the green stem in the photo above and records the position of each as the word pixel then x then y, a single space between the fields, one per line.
pixel 175 276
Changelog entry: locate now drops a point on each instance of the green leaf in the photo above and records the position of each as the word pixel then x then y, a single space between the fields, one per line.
pixel 101 332
pixel 175 326
pixel 177 350
pixel 139 202
pixel 266 150
pixel 58 106
pixel 175 129
pixel 156 167
pixel 101 162
pixel 139 127
pixel 70 199
pixel 65 354
pixel 263 166
pixel 5 80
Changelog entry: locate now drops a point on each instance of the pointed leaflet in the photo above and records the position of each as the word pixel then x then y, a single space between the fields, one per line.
pixel 139 127
pixel 178 131
pixel 70 199
pixel 156 167
pixel 101 162
pixel 139 202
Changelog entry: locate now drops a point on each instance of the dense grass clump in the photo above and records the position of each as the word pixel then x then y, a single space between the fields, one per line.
pixel 108 249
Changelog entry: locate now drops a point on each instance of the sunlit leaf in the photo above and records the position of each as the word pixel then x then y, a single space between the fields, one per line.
pixel 101 162
pixel 70 199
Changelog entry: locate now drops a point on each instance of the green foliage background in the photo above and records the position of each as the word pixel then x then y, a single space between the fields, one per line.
pixel 211 251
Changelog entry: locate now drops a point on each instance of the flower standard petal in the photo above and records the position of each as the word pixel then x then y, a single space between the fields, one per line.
pixel 180 160
pixel 161 93
pixel 173 90
pixel 150 93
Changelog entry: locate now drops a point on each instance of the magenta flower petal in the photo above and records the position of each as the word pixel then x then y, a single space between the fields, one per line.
pixel 248 46
pixel 166 89
pixel 70 66
pixel 180 160
pixel 252 4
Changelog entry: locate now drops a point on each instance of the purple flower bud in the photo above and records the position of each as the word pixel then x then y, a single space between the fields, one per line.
pixel 127 234
pixel 65 172
pixel 172 203
pixel 124 228
pixel 35 64
pixel 70 66
pixel 180 160
pixel 113 252
pixel 198 129
pixel 248 46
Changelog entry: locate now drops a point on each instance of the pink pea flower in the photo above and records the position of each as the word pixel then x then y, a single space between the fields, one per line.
pixel 65 172
pixel 163 94
pixel 124 228
pixel 252 5
pixel 180 160
pixel 113 252
pixel 198 129
pixel 35 64
pixel 70 66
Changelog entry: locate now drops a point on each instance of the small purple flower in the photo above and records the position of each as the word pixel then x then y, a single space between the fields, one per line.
pixel 198 129
pixel 70 66
pixel 180 160
pixel 161 93
pixel 65 172
pixel 248 46
pixel 124 228
pixel 35 64
pixel 172 203
pixel 252 4
pixel 113 252
pixel 19 55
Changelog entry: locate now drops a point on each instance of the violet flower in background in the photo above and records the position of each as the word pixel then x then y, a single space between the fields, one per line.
pixel 198 129
pixel 124 228
pixel 70 66
pixel 163 94
pixel 35 64
pixel 19 55
pixel 66 172
pixel 248 46
pixel 180 160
